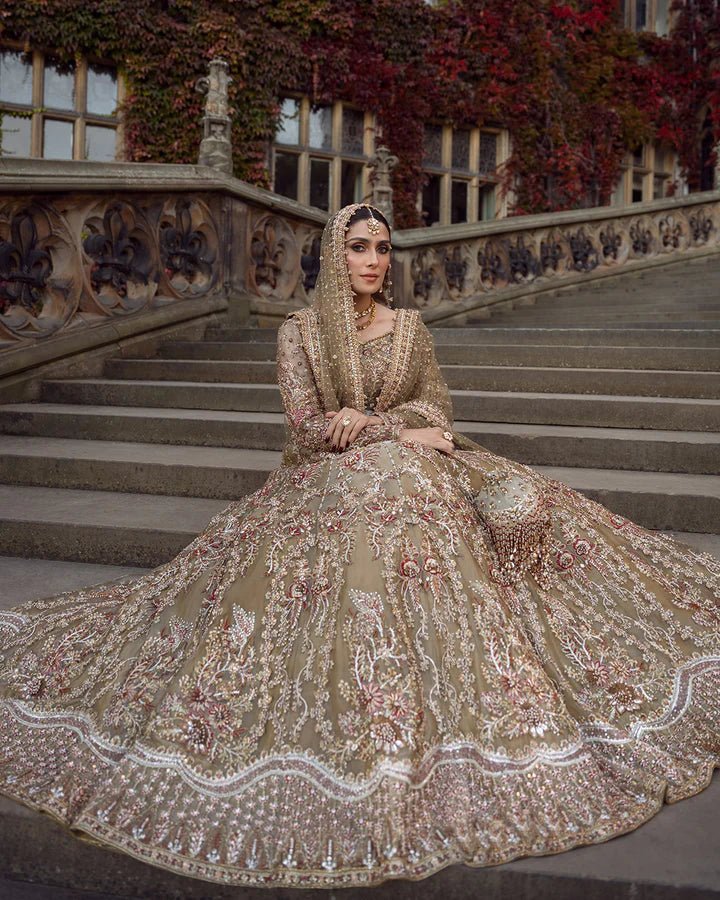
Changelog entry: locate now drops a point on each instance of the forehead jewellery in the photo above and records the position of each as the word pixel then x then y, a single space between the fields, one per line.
pixel 373 226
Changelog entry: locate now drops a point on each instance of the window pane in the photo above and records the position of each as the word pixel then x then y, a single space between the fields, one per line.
pixel 101 90
pixel 351 183
pixel 431 201
pixel 618 197
pixel 288 131
pixel 637 188
pixel 661 17
pixel 432 145
pixel 320 183
pixel 59 89
pixel 487 202
pixel 639 156
pixel 15 77
pixel 57 139
pixel 353 128
pixel 488 153
pixel 14 135
pixel 99 143
pixel 461 150
pixel 321 127
pixel 458 201
pixel 286 174
pixel 658 187
pixel 640 14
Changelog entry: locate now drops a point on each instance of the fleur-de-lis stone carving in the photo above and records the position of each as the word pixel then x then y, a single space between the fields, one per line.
pixel 118 256
pixel 24 267
pixel 183 249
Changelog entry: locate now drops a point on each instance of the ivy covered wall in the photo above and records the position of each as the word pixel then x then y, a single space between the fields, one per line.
pixel 574 89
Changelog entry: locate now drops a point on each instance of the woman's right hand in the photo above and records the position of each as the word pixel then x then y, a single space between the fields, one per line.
pixel 431 437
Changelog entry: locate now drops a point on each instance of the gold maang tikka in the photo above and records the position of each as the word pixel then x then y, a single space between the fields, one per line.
pixel 373 226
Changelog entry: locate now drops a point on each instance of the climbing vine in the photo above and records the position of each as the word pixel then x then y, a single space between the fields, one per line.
pixel 688 67
pixel 573 88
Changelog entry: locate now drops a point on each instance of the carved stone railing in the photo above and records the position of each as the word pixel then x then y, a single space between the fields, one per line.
pixel 92 252
pixel 88 251
pixel 451 271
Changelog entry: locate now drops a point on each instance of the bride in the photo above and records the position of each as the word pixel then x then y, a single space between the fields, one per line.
pixel 402 652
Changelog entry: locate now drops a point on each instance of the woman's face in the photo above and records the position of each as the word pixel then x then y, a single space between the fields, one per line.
pixel 368 257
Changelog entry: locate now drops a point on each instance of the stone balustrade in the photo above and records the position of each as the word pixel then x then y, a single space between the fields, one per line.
pixel 457 272
pixel 89 251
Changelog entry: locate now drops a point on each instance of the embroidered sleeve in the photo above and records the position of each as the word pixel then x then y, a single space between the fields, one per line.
pixel 429 404
pixel 304 413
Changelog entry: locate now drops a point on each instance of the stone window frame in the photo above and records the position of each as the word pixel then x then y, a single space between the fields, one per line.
pixel 646 173
pixel 475 179
pixel 334 155
pixel 79 117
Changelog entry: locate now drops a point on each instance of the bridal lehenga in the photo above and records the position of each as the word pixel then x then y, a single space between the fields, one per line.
pixel 384 661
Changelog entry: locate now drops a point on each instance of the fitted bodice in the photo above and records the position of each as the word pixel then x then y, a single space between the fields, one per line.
pixel 375 358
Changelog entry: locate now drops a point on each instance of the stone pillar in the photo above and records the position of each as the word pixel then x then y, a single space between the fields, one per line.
pixel 381 165
pixel 216 145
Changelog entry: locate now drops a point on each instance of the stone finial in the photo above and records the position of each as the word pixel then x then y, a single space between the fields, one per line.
pixel 216 145
pixel 381 165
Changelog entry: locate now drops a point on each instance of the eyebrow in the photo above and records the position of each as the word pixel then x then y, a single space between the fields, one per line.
pixel 364 240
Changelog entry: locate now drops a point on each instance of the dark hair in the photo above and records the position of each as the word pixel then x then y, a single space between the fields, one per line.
pixel 367 212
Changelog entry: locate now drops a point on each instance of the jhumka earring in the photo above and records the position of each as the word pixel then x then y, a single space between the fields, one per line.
pixel 387 288
pixel 373 226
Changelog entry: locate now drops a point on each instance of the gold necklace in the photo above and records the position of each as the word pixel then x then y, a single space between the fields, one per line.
pixel 369 322
pixel 364 312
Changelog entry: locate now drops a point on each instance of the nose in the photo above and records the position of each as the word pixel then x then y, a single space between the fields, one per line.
pixel 373 257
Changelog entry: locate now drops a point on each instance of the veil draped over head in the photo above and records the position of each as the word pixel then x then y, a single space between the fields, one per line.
pixel 340 377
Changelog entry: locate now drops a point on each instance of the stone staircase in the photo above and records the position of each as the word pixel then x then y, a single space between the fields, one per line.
pixel 614 389
pixel 124 469
pixel 674 295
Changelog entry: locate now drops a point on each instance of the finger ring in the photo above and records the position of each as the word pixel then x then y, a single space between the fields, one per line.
pixel 346 421
pixel 448 436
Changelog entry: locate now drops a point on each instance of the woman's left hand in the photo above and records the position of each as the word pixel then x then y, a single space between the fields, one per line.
pixel 340 435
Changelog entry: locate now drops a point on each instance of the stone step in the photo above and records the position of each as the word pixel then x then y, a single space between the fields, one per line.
pixel 607 316
pixel 631 300
pixel 126 448
pixel 137 468
pixel 672 857
pixel 133 529
pixel 648 383
pixel 653 499
pixel 186 395
pixel 674 358
pixel 142 530
pixel 488 331
pixel 498 333
pixel 32 579
pixel 476 406
pixel 629 449
pixel 604 411
pixel 598 322
pixel 195 427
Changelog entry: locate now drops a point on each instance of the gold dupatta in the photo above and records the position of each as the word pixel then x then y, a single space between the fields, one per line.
pixel 340 376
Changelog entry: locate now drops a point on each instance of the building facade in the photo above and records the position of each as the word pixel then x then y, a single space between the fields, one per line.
pixel 320 153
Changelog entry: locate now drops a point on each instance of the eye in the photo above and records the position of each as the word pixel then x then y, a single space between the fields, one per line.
pixel 357 248
pixel 384 248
